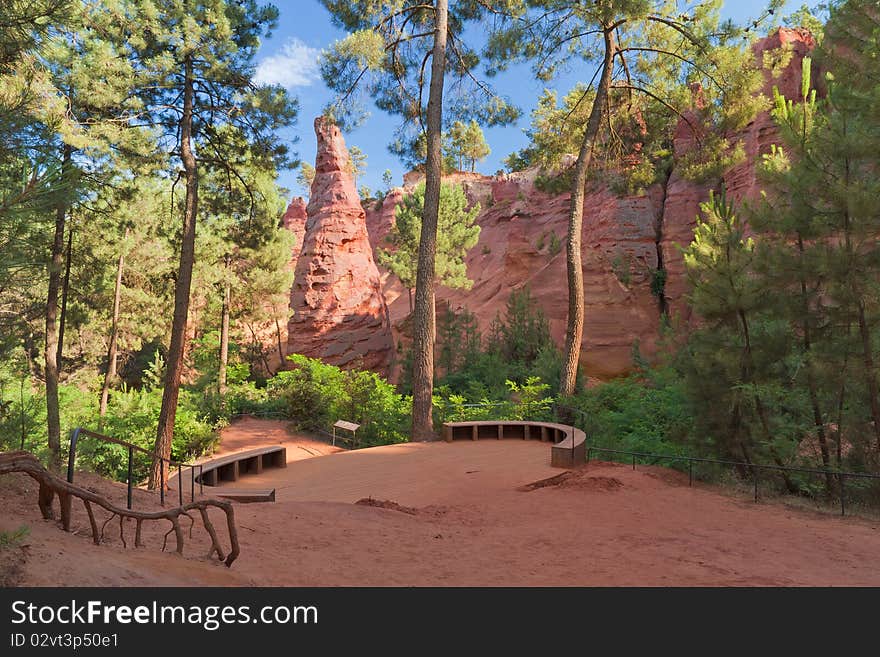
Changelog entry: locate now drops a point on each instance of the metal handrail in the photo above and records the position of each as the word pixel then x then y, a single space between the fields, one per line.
pixel 754 467
pixel 132 448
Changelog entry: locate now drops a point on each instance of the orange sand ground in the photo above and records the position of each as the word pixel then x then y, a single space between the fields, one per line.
pixel 466 516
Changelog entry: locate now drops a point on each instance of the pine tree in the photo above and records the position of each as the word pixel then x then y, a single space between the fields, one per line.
pixel 386 55
pixel 306 177
pixel 456 235
pixel 467 144
pixel 793 240
pixel 357 162
pixel 644 54
pixel 194 59
pixel 92 137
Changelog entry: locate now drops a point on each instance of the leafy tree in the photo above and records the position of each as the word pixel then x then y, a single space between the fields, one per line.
pixel 456 235
pixel 806 17
pixel 644 55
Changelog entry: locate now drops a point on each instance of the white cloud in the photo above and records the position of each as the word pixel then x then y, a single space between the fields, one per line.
pixel 296 65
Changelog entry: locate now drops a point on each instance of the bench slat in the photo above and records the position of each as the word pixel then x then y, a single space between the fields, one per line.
pixel 246 495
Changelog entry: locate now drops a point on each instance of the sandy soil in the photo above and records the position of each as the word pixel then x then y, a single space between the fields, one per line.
pixel 251 432
pixel 466 514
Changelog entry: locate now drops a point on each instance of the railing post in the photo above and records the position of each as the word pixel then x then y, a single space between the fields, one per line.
pixel 192 483
pixel 201 479
pixel 180 483
pixel 842 494
pixel 162 482
pixel 71 454
pixel 755 477
pixel 690 472
pixel 130 458
pixel 634 462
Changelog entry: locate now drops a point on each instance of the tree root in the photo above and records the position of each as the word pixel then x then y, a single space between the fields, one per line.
pixel 51 485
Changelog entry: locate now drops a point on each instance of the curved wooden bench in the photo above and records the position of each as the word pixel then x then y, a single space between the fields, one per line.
pixel 233 466
pixel 569 443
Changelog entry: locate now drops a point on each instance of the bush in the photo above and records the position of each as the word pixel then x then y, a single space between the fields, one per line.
pixel 647 412
pixel 529 401
pixel 314 395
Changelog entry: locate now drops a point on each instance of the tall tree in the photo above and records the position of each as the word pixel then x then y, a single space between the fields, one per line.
pixel 737 361
pixel 195 64
pixel 306 177
pixel 357 162
pixel 793 241
pixel 95 133
pixel 640 53
pixel 468 144
pixel 456 235
pixel 387 55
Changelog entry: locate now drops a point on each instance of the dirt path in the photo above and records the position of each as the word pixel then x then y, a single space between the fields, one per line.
pixel 489 513
pixel 250 432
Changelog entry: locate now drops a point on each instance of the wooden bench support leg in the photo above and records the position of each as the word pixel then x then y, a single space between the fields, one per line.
pixel 526 432
pixel 500 431
pixel 543 434
pixel 475 434
pixel 447 434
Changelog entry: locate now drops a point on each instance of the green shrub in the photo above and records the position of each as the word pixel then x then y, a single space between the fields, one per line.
pixel 647 413
pixel 14 537
pixel 555 244
pixel 314 395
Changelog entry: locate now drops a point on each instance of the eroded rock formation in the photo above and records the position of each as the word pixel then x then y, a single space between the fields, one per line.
pixel 294 220
pixel 628 241
pixel 339 312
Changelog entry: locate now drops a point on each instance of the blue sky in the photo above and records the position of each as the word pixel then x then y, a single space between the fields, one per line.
pixel 289 57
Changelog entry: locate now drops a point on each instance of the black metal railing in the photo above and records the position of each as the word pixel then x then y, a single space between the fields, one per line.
pixel 80 432
pixel 754 468
pixel 570 415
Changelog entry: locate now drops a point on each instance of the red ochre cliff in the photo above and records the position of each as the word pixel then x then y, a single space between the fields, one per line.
pixel 340 298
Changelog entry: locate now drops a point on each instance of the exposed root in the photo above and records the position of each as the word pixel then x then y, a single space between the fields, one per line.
pixel 51 485
pixel 95 537
pixel 165 539
pixel 209 527
pixel 106 522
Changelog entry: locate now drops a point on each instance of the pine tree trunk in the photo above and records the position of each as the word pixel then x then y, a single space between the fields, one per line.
pixel 747 370
pixel 65 292
pixel 224 340
pixel 110 374
pixel 818 419
pixel 53 414
pixel 423 325
pixel 870 375
pixel 841 405
pixel 278 337
pixel 574 330
pixel 174 364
